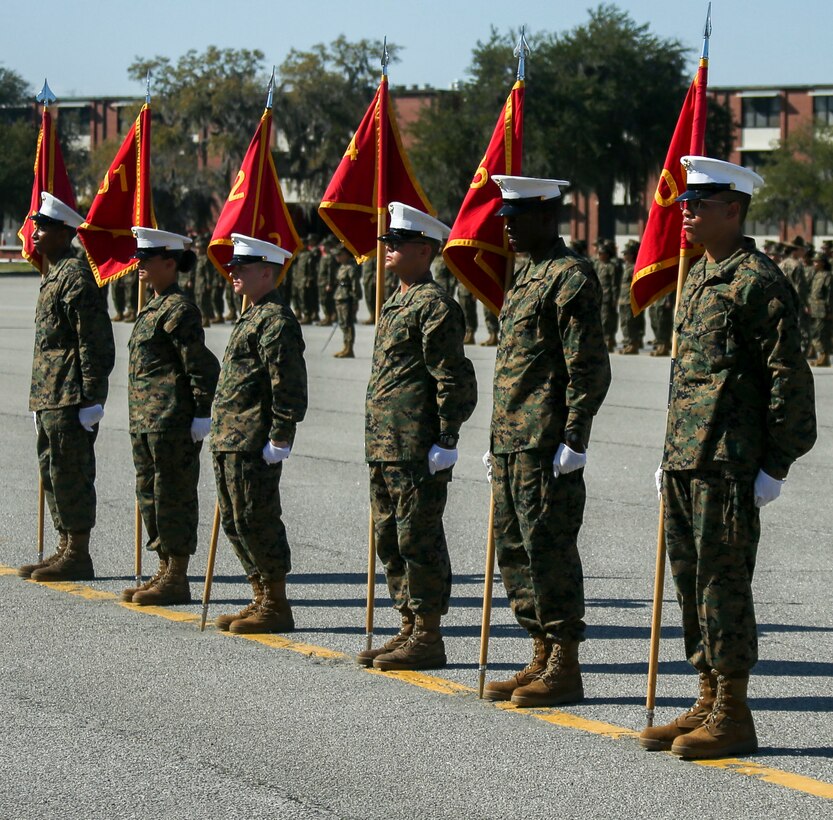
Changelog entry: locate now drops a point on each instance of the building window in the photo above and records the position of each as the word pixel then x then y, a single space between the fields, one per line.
pixel 628 219
pixel 756 160
pixel 760 228
pixel 822 226
pixel 761 112
pixel 823 110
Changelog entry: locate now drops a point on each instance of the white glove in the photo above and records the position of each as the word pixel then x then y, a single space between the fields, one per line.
pixel 767 488
pixel 272 454
pixel 90 416
pixel 567 460
pixel 199 429
pixel 658 480
pixel 440 458
pixel 489 465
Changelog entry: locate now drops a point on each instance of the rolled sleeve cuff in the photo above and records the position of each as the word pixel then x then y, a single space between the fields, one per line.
pixel 579 424
pixel 282 432
pixel 94 391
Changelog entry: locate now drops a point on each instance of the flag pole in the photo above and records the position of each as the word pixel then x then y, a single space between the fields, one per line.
pixel 521 51
pixel 697 147
pixel 46 97
pixel 215 525
pixel 137 514
pixel 381 226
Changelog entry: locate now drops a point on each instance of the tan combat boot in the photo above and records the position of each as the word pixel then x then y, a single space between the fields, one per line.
pixel 823 360
pixel 119 317
pixel 27 569
pixel 630 350
pixel 341 353
pixel 491 341
pixel 130 316
pixel 171 588
pixel 468 339
pixel 127 594
pixel 503 689
pixel 223 622
pixel 273 614
pixel 367 657
pixel 423 650
pixel 348 351
pixel 728 731
pixel 560 682
pixel 661 350
pixel 74 563
pixel 660 738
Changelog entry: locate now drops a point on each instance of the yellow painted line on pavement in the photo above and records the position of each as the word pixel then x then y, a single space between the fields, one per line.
pixel 432 683
pixel 80 590
pixel 788 780
pixel 279 642
pixel 162 612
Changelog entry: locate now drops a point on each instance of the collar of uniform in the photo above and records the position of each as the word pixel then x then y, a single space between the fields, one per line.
pixel 56 267
pixel 158 297
pixel 726 269
pixel 270 298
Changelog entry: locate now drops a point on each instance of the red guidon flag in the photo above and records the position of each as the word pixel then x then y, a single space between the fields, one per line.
pixel 50 176
pixel 123 200
pixel 664 241
pixel 477 251
pixel 255 205
pixel 373 172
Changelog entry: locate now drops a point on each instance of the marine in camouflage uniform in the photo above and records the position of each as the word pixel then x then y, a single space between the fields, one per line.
pixel 171 381
pixel 821 309
pixel 792 267
pixel 73 356
pixel 326 276
pixel 552 373
pixel 261 397
pixel 369 287
pixel 421 390
pixel 468 303
pixel 608 274
pixel 345 300
pixel 661 314
pixel 204 274
pixel 633 327
pixel 126 297
pixel 306 257
pixel 741 412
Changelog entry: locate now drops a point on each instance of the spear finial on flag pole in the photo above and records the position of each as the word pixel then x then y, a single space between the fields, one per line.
pixel 147 88
pixel 707 32
pixel 270 90
pixel 385 57
pixel 45 95
pixel 521 51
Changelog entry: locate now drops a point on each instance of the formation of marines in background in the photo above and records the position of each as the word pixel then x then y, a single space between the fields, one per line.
pixel 741 412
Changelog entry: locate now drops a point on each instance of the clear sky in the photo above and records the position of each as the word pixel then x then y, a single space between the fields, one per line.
pixel 84 47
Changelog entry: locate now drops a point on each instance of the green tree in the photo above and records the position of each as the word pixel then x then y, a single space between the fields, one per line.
pixel 18 136
pixel 205 108
pixel 798 177
pixel 601 104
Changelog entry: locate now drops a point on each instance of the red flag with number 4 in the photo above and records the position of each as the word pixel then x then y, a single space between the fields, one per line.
pixel 373 172
pixel 123 200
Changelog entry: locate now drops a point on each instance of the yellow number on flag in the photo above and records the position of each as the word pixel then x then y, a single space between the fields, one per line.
pixel 236 193
pixel 105 185
pixel 121 173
